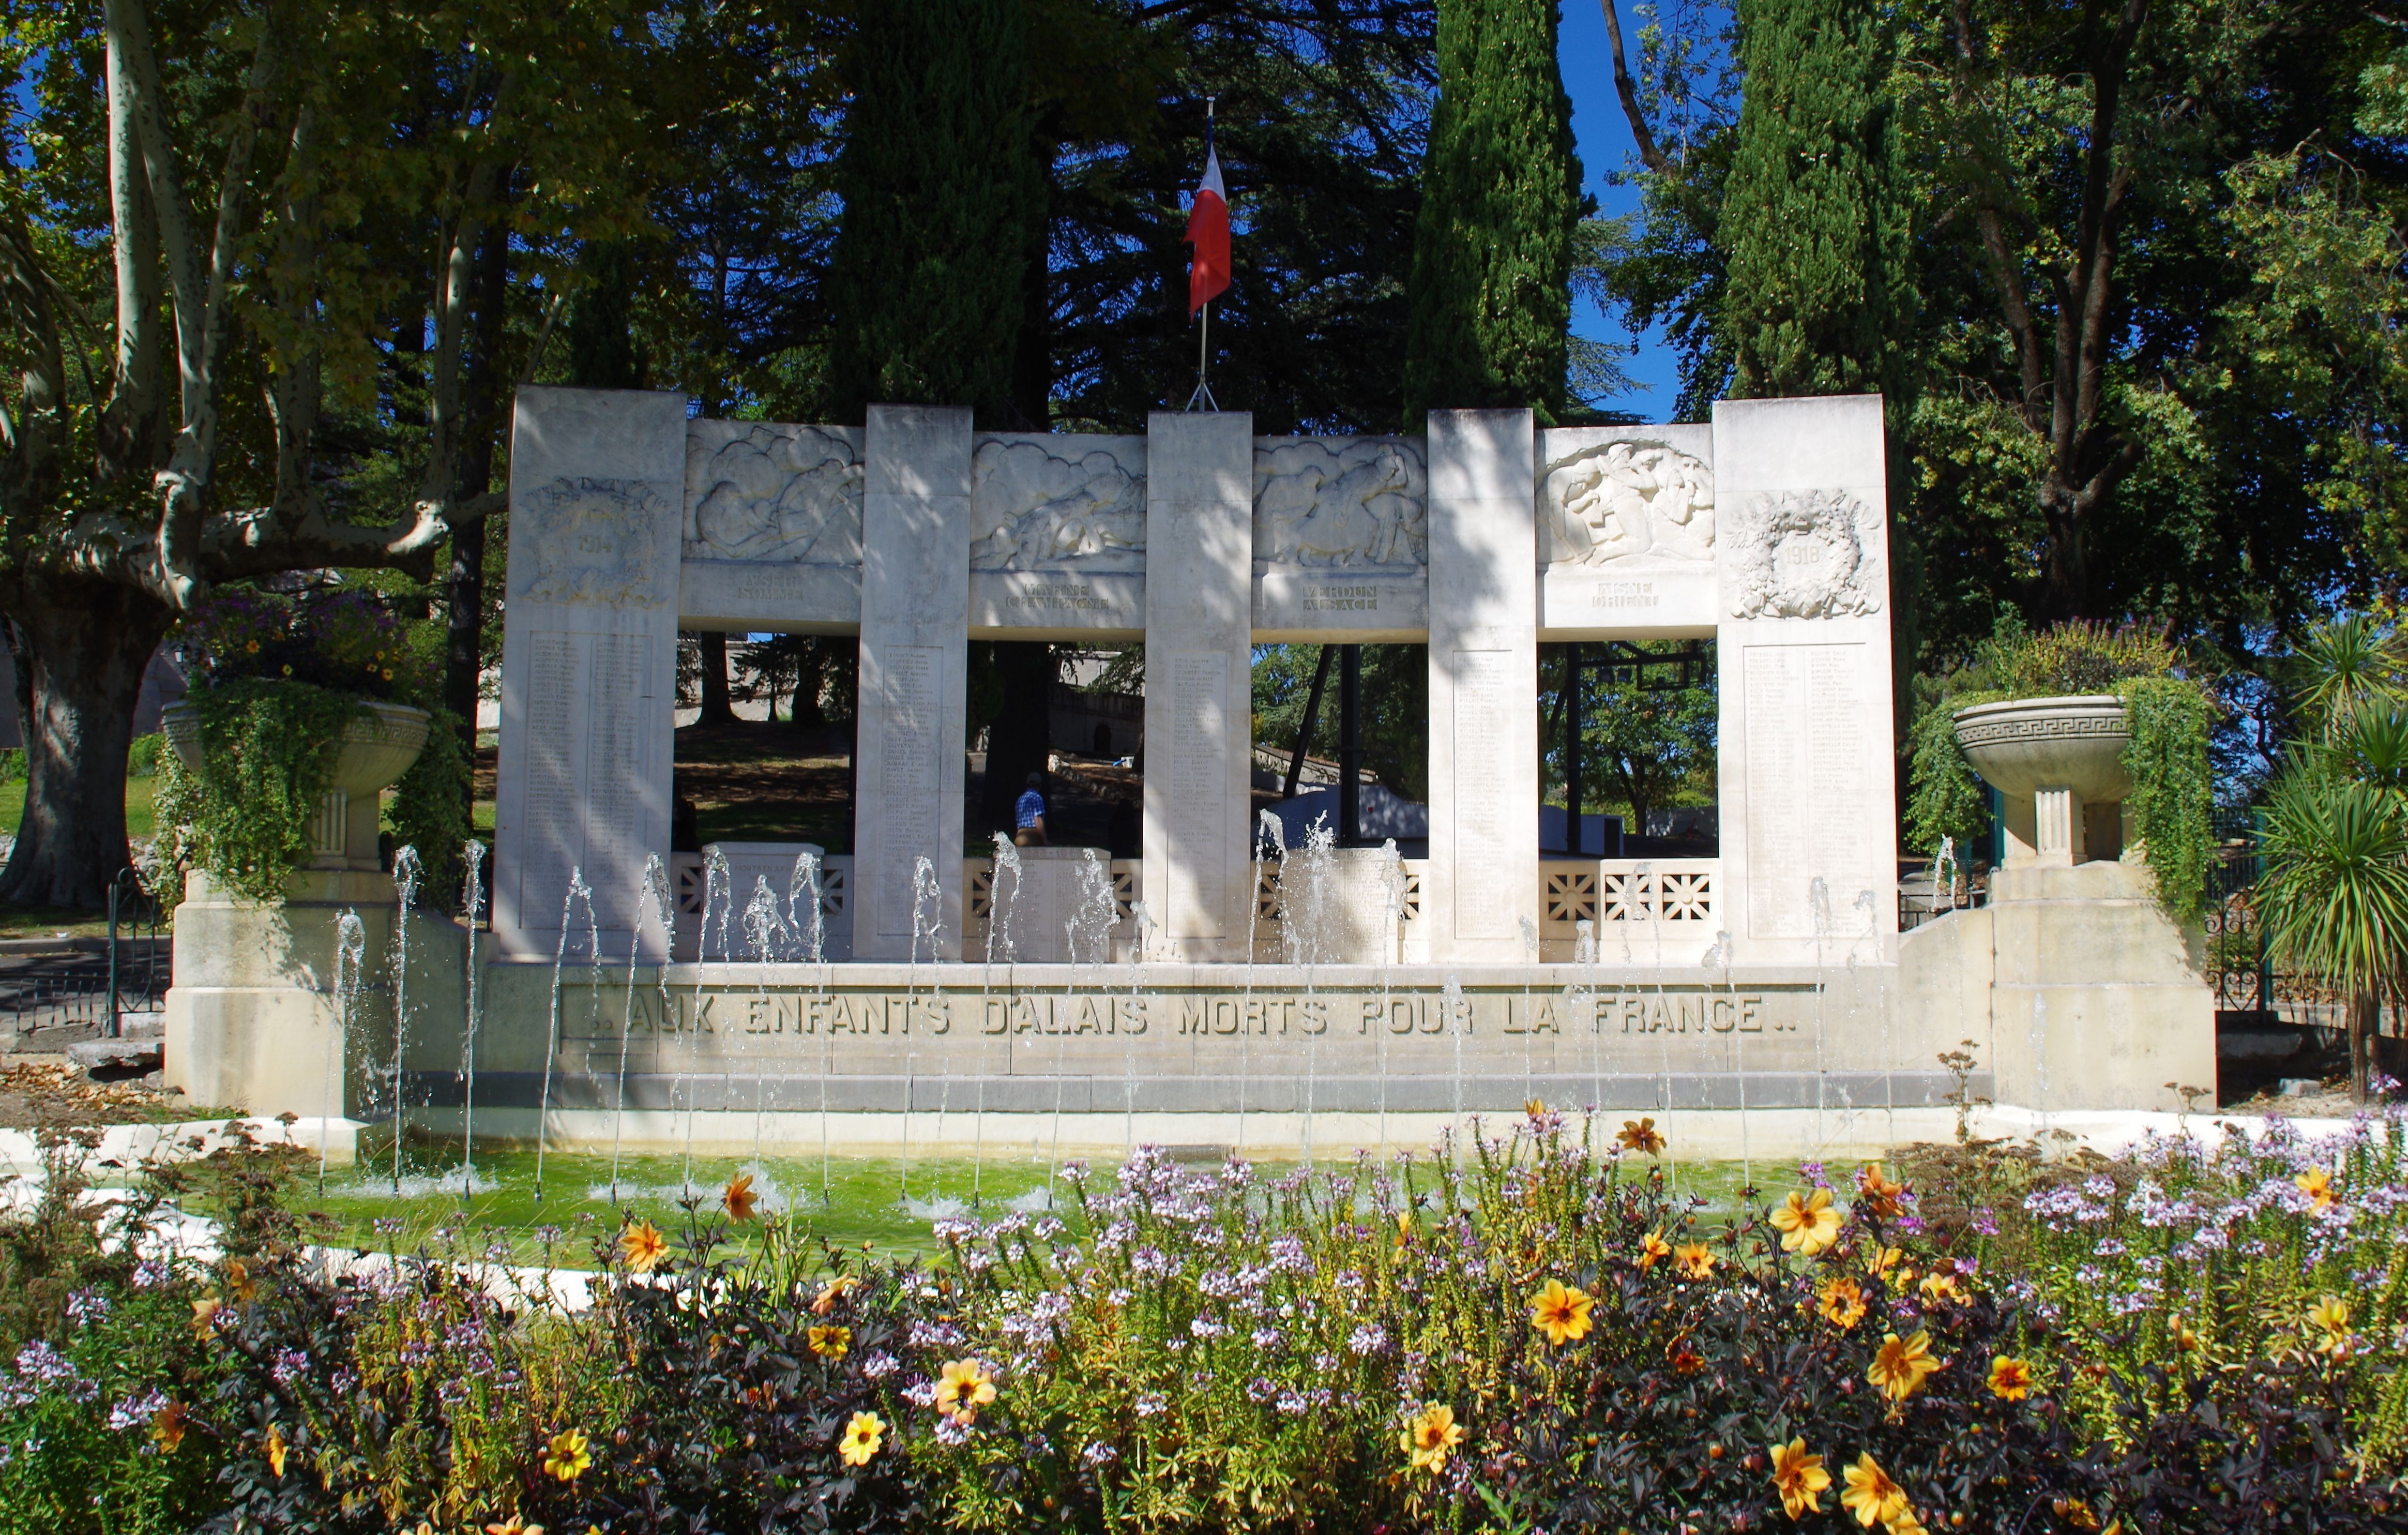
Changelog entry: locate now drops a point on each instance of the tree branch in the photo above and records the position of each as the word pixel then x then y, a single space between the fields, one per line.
pixel 1626 91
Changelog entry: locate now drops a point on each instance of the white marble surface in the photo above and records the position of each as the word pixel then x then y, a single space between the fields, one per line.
pixel 589 657
pixel 910 735
pixel 1198 685
pixel 1809 797
pixel 1483 890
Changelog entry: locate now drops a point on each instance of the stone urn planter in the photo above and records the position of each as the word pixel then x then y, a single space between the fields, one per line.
pixel 374 754
pixel 2057 764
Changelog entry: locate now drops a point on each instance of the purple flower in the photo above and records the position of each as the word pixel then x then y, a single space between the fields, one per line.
pixel 1367 1338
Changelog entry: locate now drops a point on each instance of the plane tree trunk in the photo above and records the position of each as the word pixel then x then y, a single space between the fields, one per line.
pixel 85 647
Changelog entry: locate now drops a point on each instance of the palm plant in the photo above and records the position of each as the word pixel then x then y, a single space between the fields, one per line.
pixel 2333 899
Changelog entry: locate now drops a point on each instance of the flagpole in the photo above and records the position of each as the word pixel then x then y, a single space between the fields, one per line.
pixel 1202 398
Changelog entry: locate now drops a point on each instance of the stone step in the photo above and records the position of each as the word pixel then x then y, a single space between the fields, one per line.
pixel 122 1055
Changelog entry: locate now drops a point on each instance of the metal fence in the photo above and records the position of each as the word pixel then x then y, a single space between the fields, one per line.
pixel 86 988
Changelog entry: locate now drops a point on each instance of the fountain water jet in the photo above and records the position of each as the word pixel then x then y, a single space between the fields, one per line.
pixel 351 954
pixel 472 902
pixel 577 891
pixel 406 876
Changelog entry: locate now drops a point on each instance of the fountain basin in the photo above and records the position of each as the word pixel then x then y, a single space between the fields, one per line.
pixel 2075 741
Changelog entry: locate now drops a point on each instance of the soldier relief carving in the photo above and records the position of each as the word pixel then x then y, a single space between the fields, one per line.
pixel 762 493
pixel 594 541
pixel 1641 503
pixel 1034 508
pixel 1359 503
pixel 1805 555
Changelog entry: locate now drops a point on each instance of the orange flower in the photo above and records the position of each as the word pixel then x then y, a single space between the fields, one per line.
pixel 2316 1184
pixel 1843 1303
pixel 1561 1311
pixel 1653 1249
pixel 238 1281
pixel 1879 1197
pixel 1684 1359
pixel 1693 1260
pixel 513 1525
pixel 739 1196
pixel 1799 1478
pixel 963 1388
pixel 863 1434
pixel 642 1246
pixel 1808 1222
pixel 1535 1108
pixel 275 1449
pixel 829 1342
pixel 833 1291
pixel 2011 1380
pixel 1430 1438
pixel 1870 1494
pixel 1940 1288
pixel 2183 1337
pixel 1900 1365
pixel 1640 1135
pixel 205 1316
pixel 1883 1262
pixel 167 1424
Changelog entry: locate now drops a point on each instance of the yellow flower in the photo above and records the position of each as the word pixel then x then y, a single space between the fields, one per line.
pixel 1640 1135
pixel 642 1246
pixel 1561 1311
pixel 1900 1365
pixel 1877 1194
pixel 2010 1379
pixel 1843 1303
pixel 1653 1249
pixel 833 1291
pixel 1904 1523
pixel 1799 1478
pixel 513 1525
pixel 1808 1222
pixel 830 1343
pixel 863 1435
pixel 2185 1339
pixel 205 1316
pixel 275 1449
pixel 1884 1261
pixel 963 1388
pixel 1693 1260
pixel 167 1424
pixel 739 1196
pixel 1870 1494
pixel 2331 1314
pixel 1940 1288
pixel 2074 1511
pixel 238 1281
pixel 1535 1108
pixel 1430 1438
pixel 2316 1184
pixel 565 1459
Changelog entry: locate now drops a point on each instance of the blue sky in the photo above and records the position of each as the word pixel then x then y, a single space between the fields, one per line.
pixel 1604 142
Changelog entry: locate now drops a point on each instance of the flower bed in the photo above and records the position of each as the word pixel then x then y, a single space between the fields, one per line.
pixel 1536 1335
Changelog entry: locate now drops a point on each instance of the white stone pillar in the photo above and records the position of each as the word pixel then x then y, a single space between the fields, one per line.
pixel 1198 678
pixel 589 660
pixel 910 735
pixel 1482 883
pixel 1809 789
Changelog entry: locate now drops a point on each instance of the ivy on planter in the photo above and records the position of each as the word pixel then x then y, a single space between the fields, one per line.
pixel 2170 715
pixel 278 681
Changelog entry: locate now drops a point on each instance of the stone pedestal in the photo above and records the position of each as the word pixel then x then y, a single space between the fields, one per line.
pixel 2077 989
pixel 1032 913
pixel 1341 906
pixel 253 1021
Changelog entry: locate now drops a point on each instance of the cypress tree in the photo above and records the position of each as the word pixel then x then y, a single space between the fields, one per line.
pixel 1500 196
pixel 1818 298
pixel 941 193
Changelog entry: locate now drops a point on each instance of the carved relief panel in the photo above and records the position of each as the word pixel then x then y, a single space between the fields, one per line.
pixel 772 494
pixel 1340 503
pixel 1630 503
pixel 594 541
pixel 1058 503
pixel 1805 555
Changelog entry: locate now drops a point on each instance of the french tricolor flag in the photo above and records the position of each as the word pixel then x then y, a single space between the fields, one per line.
pixel 1208 230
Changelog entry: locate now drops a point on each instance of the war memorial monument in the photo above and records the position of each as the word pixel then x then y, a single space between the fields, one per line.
pixel 1216 991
